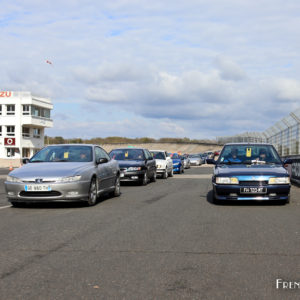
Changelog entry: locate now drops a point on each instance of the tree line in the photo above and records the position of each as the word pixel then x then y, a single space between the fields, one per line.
pixel 124 140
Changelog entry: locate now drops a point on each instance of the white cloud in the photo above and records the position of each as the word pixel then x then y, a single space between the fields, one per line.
pixel 221 66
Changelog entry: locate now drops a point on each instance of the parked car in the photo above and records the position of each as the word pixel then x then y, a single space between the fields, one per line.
pixel 177 163
pixel 64 173
pixel 250 172
pixel 186 161
pixel 195 160
pixel 164 163
pixel 136 164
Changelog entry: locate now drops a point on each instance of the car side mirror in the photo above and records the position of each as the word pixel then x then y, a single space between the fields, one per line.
pixel 287 161
pixel 210 161
pixel 25 161
pixel 101 161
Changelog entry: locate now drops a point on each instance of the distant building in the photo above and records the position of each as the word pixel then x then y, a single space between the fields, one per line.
pixel 284 135
pixel 23 119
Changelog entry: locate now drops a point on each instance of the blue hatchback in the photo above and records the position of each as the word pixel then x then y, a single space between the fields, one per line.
pixel 178 166
pixel 250 172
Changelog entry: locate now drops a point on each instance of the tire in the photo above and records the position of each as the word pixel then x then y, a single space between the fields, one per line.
pixel 117 191
pixel 287 201
pixel 165 175
pixel 214 199
pixel 182 170
pixel 153 178
pixel 92 196
pixel 145 179
pixel 171 174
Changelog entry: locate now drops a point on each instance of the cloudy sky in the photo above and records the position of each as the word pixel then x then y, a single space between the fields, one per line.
pixel 192 68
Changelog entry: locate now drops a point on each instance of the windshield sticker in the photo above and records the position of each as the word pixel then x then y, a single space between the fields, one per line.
pixel 126 154
pixel 248 152
pixel 222 158
pixel 66 154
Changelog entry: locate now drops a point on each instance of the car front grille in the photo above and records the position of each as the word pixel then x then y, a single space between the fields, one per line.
pixel 40 194
pixel 253 183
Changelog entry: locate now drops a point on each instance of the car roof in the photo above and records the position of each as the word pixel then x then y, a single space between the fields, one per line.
pixel 256 144
pixel 125 148
pixel 73 145
pixel 159 150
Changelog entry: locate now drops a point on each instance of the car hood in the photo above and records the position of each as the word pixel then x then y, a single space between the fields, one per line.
pixel 176 160
pixel 244 170
pixel 194 158
pixel 51 169
pixel 130 163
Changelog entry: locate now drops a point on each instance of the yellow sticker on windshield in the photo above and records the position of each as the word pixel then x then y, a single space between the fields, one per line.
pixel 66 154
pixel 126 154
pixel 248 152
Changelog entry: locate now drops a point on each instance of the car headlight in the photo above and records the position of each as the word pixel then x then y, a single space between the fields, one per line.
pixel 134 169
pixel 70 178
pixel 279 180
pixel 13 179
pixel 227 180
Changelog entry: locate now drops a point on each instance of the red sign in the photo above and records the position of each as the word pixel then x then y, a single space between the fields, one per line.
pixel 9 141
pixel 5 94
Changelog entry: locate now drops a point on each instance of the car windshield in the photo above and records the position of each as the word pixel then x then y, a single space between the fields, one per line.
pixel 127 154
pixel 175 156
pixel 158 155
pixel 249 154
pixel 194 156
pixel 64 153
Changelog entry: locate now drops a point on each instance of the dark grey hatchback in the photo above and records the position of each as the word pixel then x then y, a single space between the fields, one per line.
pixel 250 172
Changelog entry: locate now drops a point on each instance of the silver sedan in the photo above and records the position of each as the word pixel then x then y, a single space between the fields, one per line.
pixel 76 172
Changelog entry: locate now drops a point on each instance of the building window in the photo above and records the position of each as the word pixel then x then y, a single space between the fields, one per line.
pixel 36 132
pixel 26 132
pixel 11 152
pixel 0 109
pixel 26 152
pixel 0 130
pixel 26 109
pixel 35 111
pixel 10 109
pixel 10 130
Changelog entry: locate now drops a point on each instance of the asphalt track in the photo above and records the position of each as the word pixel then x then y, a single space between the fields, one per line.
pixel 166 240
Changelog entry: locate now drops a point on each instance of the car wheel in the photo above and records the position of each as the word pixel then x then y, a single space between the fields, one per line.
pixel 153 179
pixel 214 199
pixel 287 201
pixel 165 175
pixel 171 173
pixel 92 196
pixel 117 190
pixel 145 179
pixel 182 170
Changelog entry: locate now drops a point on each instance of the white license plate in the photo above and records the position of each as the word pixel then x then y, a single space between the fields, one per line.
pixel 253 190
pixel 37 188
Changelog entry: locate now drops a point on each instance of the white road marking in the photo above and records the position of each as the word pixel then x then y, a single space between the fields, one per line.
pixel 2 207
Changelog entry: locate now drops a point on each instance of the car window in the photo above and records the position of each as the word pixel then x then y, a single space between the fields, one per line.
pixel 158 155
pixel 100 153
pixel 249 154
pixel 64 153
pixel 127 154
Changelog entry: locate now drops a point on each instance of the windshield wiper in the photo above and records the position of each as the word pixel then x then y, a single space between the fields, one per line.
pixel 60 160
pixel 34 161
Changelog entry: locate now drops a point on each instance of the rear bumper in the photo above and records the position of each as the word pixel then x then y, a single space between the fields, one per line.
pixel 233 192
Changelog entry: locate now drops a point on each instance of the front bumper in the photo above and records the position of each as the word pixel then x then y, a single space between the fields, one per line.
pixel 132 175
pixel 177 168
pixel 233 192
pixel 60 192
